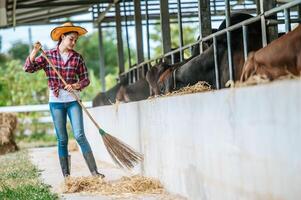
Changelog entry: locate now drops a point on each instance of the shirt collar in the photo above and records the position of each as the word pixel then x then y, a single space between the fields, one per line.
pixel 56 50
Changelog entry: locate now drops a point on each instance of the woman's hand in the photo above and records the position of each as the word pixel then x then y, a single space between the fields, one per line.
pixel 70 87
pixel 36 47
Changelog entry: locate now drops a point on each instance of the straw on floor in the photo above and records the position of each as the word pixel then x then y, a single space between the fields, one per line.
pixel 134 185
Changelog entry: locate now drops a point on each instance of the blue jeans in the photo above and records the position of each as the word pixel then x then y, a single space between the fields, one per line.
pixel 59 112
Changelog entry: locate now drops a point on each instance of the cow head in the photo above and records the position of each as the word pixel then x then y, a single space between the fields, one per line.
pixel 165 81
pixel 123 79
pixel 153 75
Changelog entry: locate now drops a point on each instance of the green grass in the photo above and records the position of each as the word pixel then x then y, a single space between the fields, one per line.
pixel 36 140
pixel 37 137
pixel 19 179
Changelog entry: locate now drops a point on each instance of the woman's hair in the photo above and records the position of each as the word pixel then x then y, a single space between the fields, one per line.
pixel 68 33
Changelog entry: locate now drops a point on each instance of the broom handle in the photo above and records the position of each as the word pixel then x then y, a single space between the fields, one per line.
pixel 72 91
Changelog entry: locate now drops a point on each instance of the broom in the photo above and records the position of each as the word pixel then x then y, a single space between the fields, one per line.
pixel 121 153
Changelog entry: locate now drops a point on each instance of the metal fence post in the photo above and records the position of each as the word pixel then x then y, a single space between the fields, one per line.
pixel 245 41
pixel 287 20
pixel 228 23
pixel 216 63
pixel 263 24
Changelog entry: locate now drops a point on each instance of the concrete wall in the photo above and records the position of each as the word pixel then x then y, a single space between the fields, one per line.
pixel 230 144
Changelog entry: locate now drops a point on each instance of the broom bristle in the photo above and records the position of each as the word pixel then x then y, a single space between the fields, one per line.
pixel 122 154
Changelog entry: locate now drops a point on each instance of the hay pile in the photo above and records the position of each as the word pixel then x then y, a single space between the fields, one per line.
pixel 200 86
pixel 134 185
pixel 8 123
pixel 259 79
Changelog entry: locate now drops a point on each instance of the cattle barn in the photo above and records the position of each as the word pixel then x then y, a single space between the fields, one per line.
pixel 223 143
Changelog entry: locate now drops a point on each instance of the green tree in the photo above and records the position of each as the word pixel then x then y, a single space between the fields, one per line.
pixel 88 47
pixel 91 91
pixel 189 33
pixel 20 88
pixel 3 58
pixel 19 50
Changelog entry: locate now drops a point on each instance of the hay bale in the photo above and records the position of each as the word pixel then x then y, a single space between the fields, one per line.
pixel 8 123
pixel 9 120
pixel 5 133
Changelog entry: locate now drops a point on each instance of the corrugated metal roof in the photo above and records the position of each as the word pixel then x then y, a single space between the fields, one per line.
pixel 25 12
pixel 29 12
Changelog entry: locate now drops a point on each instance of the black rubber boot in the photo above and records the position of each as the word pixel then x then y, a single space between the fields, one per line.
pixel 92 164
pixel 65 166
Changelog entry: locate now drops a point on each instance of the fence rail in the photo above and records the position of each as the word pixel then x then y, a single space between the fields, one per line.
pixel 33 108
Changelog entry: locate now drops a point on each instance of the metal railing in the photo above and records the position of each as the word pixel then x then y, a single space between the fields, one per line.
pixel 244 25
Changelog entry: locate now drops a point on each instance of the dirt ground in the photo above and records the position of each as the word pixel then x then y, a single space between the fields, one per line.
pixel 46 159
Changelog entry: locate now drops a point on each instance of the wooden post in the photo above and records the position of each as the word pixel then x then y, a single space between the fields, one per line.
pixel 138 28
pixel 272 30
pixel 119 39
pixel 101 60
pixel 205 28
pixel 164 18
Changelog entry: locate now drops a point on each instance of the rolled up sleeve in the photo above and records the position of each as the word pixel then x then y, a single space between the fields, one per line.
pixel 31 67
pixel 82 73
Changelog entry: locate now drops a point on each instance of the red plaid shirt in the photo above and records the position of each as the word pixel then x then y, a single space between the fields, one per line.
pixel 73 71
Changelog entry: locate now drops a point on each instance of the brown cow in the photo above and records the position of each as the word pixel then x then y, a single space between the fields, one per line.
pixel 134 92
pixel 108 97
pixel 280 57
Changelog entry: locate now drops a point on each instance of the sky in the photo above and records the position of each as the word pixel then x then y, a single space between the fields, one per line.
pixel 40 33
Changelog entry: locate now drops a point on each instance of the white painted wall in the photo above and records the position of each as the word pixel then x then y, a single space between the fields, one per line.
pixel 230 144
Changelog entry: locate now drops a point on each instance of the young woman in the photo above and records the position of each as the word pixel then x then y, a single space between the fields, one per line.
pixel 72 68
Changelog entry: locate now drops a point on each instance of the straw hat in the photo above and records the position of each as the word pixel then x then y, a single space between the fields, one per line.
pixel 66 27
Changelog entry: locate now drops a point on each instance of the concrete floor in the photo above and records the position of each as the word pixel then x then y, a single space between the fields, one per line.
pixel 46 159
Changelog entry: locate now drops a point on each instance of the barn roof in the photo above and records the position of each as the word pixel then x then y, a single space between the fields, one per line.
pixel 37 12
pixel 28 12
